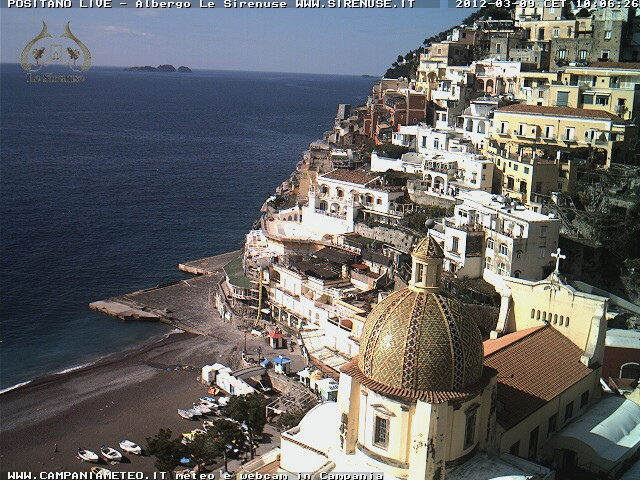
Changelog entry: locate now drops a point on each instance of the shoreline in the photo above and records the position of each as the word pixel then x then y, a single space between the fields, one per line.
pixel 138 347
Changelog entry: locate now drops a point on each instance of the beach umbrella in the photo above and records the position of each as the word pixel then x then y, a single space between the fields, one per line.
pixel 185 460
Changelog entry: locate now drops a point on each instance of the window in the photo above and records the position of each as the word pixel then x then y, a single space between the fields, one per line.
pixel 504 126
pixel 568 411
pixel 584 398
pixel 339 192
pixel 522 129
pixel 424 142
pixel 533 313
pixel 526 169
pixel 503 249
pixel 488 263
pixel 556 32
pixel 491 243
pixel 470 428
pixel 562 54
pixel 568 133
pixel 569 32
pixel 515 448
pixel 605 55
pixel 607 35
pixel 381 434
pixel 582 55
pixel 602 100
pixel 498 47
pixel 502 269
pixel 630 370
pixel 553 419
pixel 454 245
pixel 548 131
pixel 540 94
pixel 533 442
pixel 519 254
pixel 587 99
pixel 562 99
pixel 419 270
pixel 566 323
pixel 379 201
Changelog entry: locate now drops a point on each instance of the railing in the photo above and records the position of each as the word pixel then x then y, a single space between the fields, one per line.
pixel 331 214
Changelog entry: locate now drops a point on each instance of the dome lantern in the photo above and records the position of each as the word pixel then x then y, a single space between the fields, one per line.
pixel 426 269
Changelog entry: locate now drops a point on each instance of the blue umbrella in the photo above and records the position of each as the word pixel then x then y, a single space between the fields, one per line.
pixel 185 460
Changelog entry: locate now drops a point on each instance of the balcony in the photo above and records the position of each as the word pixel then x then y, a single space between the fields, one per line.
pixel 621 109
pixel 341 216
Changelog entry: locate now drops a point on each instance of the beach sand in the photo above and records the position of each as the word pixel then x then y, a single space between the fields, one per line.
pixel 129 396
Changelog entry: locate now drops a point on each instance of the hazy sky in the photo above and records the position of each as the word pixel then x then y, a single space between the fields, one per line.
pixel 349 41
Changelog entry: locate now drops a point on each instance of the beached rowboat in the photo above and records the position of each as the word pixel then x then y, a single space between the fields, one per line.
pixel 130 447
pixel 194 412
pixel 186 414
pixel 110 454
pixel 87 455
pixel 202 408
pixel 100 472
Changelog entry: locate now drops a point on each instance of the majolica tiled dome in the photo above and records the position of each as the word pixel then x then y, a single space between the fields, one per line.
pixel 419 340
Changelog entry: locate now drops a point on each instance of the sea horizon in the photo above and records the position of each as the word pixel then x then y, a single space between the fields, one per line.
pixel 108 185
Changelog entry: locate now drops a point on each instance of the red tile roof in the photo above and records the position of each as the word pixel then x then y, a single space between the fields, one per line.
pixel 533 369
pixel 359 177
pixel 492 346
pixel 559 112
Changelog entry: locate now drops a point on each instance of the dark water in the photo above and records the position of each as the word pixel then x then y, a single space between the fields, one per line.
pixel 107 185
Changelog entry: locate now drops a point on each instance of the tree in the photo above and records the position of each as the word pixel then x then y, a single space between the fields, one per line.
pixel 37 54
pixel 205 448
pixel 400 59
pixel 288 420
pixel 168 451
pixel 231 437
pixel 249 410
pixel 74 54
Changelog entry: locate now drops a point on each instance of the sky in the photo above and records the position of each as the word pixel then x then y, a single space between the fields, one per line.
pixel 330 41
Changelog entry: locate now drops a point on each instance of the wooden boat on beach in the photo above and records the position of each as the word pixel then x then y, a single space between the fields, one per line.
pixel 110 454
pixel 130 447
pixel 100 472
pixel 186 414
pixel 87 455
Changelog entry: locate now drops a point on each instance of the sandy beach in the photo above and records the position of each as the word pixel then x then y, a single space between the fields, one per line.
pixel 130 395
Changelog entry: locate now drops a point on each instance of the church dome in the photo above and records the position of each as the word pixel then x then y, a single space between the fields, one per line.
pixel 418 340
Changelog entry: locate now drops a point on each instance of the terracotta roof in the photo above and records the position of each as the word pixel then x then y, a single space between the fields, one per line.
pixel 429 396
pixel 616 65
pixel 559 112
pixel 492 346
pixel 532 370
pixel 359 177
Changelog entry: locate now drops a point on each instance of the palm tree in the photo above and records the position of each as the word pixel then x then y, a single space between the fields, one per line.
pixel 74 54
pixel 37 54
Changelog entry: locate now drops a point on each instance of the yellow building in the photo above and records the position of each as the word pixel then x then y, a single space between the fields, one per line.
pixel 605 86
pixel 538 148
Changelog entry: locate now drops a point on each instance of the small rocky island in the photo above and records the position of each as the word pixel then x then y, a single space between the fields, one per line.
pixel 159 68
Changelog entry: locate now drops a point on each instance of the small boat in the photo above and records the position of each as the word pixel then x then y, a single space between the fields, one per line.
pixel 100 472
pixel 198 431
pixel 87 455
pixel 186 414
pixel 110 454
pixel 223 401
pixel 187 438
pixel 130 447
pixel 208 400
pixel 194 412
pixel 202 408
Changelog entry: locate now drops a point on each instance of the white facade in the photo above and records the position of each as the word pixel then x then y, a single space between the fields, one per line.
pixel 334 203
pixel 517 242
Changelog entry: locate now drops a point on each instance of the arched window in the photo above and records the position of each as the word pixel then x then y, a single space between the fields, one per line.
pixel 538 315
pixel 561 321
pixel 544 316
pixel 504 250
pixel 566 322
pixel 518 253
pixel 533 313
pixel 630 370
pixel 339 192
pixel 491 243
pixel 324 189
pixel 517 273
pixel 322 206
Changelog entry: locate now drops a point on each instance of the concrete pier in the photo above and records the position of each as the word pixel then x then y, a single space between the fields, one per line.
pixel 209 265
pixel 185 304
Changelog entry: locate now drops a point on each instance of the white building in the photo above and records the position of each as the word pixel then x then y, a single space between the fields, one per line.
pixel 517 242
pixel 338 197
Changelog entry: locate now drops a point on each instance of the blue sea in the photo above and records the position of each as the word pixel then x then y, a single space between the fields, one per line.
pixel 107 185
